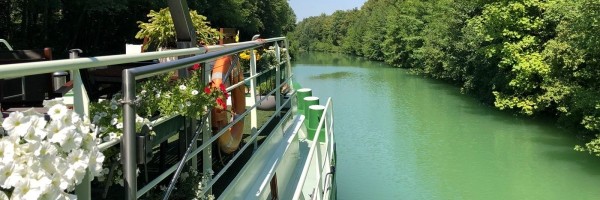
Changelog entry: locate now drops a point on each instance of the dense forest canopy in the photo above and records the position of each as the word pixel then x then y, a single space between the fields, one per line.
pixel 101 27
pixel 536 57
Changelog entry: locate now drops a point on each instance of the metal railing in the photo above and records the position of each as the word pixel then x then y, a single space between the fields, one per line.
pixel 203 54
pixel 129 136
pixel 6 44
pixel 314 159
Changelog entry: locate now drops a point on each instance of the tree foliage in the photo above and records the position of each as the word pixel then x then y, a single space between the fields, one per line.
pixel 104 26
pixel 535 57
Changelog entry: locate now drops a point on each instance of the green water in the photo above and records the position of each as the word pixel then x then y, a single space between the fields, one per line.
pixel 401 136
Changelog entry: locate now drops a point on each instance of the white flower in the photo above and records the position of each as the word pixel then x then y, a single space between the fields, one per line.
pixel 114 121
pixel 182 87
pixel 96 119
pixel 143 92
pixel 71 142
pixel 88 141
pixel 52 102
pixel 51 194
pixel 119 125
pixel 103 114
pixel 46 149
pixel 38 122
pixel 53 128
pixel 40 160
pixel 24 189
pixel 16 124
pixel 3 196
pixel 59 182
pixel 7 151
pixel 112 136
pixel 188 103
pixel 157 95
pixel 58 111
pixel 67 138
pixel 194 92
pixel 95 162
pixel 31 136
pixel 184 176
pixel 71 118
pixel 138 119
pixel 114 107
pixel 43 183
pixel 6 169
pixel 12 176
pixel 32 112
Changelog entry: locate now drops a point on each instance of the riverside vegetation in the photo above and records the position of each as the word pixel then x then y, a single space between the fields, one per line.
pixel 535 57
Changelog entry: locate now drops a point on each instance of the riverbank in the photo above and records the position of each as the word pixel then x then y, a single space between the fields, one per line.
pixel 536 58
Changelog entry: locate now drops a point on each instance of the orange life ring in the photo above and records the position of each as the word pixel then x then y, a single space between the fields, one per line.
pixel 230 140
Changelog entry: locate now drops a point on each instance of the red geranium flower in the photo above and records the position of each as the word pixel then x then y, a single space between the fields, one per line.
pixel 221 103
pixel 207 90
pixel 195 67
pixel 222 87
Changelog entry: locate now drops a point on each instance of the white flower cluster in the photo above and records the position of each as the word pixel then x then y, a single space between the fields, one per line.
pixel 108 116
pixel 203 182
pixel 46 160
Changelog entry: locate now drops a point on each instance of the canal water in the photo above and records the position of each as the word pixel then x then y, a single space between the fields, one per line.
pixel 402 136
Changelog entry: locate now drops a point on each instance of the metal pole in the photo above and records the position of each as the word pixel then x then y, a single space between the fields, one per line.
pixel 288 62
pixel 180 13
pixel 128 146
pixel 278 79
pixel 207 133
pixel 80 103
pixel 253 114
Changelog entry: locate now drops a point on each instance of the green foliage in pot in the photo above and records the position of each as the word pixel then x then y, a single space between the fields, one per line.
pixel 160 29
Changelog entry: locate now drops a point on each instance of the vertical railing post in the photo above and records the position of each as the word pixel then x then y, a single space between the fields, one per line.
pixel 253 114
pixel 207 134
pixel 80 104
pixel 128 146
pixel 288 62
pixel 278 79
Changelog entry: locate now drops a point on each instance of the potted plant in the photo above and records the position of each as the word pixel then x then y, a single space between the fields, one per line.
pixel 160 30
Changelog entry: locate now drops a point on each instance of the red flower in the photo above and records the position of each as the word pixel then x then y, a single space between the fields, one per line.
pixel 222 87
pixel 207 90
pixel 195 67
pixel 221 103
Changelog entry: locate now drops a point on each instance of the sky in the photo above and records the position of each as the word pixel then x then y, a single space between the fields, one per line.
pixel 307 8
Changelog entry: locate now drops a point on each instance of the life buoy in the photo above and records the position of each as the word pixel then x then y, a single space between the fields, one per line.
pixel 230 140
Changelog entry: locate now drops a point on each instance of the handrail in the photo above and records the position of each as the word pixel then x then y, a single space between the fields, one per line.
pixel 129 136
pixel 6 44
pixel 327 123
pixel 30 68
